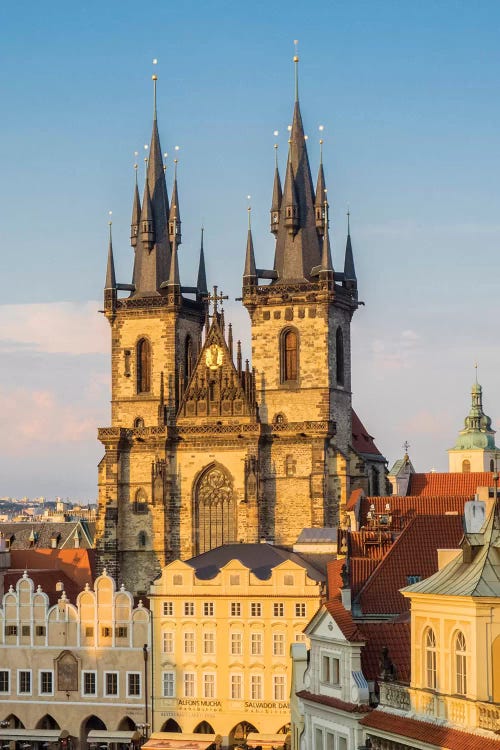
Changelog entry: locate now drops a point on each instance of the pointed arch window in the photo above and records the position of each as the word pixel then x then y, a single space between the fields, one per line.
pixel 460 648
pixel 339 356
pixel 215 510
pixel 188 357
pixel 430 659
pixel 289 356
pixel 143 366
pixel 140 502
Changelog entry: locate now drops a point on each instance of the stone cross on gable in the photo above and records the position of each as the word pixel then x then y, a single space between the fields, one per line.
pixel 215 298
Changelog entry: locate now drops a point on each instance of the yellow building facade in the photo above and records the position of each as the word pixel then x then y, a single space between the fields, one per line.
pixel 223 624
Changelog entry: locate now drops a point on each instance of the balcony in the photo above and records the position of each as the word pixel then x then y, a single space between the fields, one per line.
pixel 489 716
pixel 395 695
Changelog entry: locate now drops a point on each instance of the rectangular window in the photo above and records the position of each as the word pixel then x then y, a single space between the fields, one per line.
pixel 278 644
pixel 278 609
pixel 168 609
pixel 235 609
pixel 236 687
pixel 25 631
pixel 209 685
pixel 40 630
pixel 256 644
pixel 209 643
pixel 4 681
pixel 177 580
pixel 133 684
pixel 89 632
pixel 189 609
pixel 255 609
pixel 300 637
pixel 168 684
pixel 330 670
pixel 110 683
pixel 189 643
pixel 10 630
pixel 288 579
pixel 46 683
pixel 256 687
pixel 236 644
pixel 330 741
pixel 189 685
pixel 89 683
pixel 234 579
pixel 106 632
pixel 24 682
pixel 342 743
pixel 279 686
pixel 121 632
pixel 300 609
pixel 208 609
pixel 168 642
pixel 318 739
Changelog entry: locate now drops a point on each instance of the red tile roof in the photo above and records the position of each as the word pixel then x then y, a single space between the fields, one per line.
pixel 434 483
pixel 325 700
pixel 394 635
pixel 353 499
pixel 413 553
pixel 370 544
pixel 423 731
pixel 402 509
pixel 48 567
pixel 343 618
pixel 48 580
pixel 362 442
pixel 361 569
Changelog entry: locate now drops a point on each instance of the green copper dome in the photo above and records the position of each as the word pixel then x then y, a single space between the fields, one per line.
pixel 478 433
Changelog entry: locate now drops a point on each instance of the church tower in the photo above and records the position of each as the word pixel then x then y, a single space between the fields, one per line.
pixel 155 341
pixel 475 449
pixel 301 352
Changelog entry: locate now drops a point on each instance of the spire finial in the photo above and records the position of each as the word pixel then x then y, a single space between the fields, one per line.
pixel 296 64
pixel 136 166
pixel 276 133
pixel 475 367
pixel 249 209
pixel 165 162
pixel 155 79
pixel 321 128
pixel 348 212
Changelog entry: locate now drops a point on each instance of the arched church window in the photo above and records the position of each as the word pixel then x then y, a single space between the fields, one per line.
pixel 492 465
pixel 141 539
pixel 215 510
pixel 430 659
pixel 143 366
pixel 188 357
pixel 460 664
pixel 289 356
pixel 140 502
pixel 339 355
pixel 138 423
pixel 466 466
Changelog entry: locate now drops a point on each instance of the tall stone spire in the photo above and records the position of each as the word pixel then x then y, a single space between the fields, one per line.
pixel 298 247
pixel 319 203
pixel 326 254
pixel 153 252
pixel 277 196
pixel 110 270
pixel 174 222
pixel 349 270
pixel 201 284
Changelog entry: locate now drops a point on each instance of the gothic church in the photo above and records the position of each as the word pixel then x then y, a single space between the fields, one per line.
pixel 204 449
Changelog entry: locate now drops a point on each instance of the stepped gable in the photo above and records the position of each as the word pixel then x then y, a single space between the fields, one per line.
pixel 403 509
pixel 362 441
pixel 217 388
pixel 413 553
pixel 423 731
pixel 444 484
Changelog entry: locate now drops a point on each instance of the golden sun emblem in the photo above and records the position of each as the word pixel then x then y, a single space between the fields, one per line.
pixel 214 357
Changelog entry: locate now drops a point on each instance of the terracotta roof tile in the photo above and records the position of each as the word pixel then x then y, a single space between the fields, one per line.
pixel 423 731
pixel 362 442
pixel 394 635
pixel 368 543
pixel 353 499
pixel 343 618
pixel 325 700
pixel 441 483
pixel 405 508
pixel 361 569
pixel 413 553
pixel 47 580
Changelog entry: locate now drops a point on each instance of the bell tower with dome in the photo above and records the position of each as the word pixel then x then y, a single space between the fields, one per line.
pixel 475 448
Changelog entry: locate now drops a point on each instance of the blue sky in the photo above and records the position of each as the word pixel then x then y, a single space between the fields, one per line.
pixel 408 94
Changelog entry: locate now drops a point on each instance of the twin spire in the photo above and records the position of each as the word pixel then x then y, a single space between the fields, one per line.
pixel 155 232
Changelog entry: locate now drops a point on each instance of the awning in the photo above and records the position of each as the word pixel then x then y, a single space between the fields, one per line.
pixel 106 737
pixel 179 741
pixel 47 735
pixel 266 741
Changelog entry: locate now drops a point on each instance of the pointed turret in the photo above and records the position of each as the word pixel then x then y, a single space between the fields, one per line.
pixel 136 214
pixel 110 291
pixel 298 247
pixel 320 201
pixel 174 221
pixel 326 254
pixel 250 273
pixel 152 258
pixel 349 270
pixel 201 284
pixel 277 196
pixel 173 276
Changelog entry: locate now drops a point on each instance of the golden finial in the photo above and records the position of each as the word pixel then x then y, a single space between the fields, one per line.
pixel 249 209
pixel 136 166
pixel 475 367
pixel 348 219
pixel 321 128
pixel 110 214
pixel 296 63
pixel 155 79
